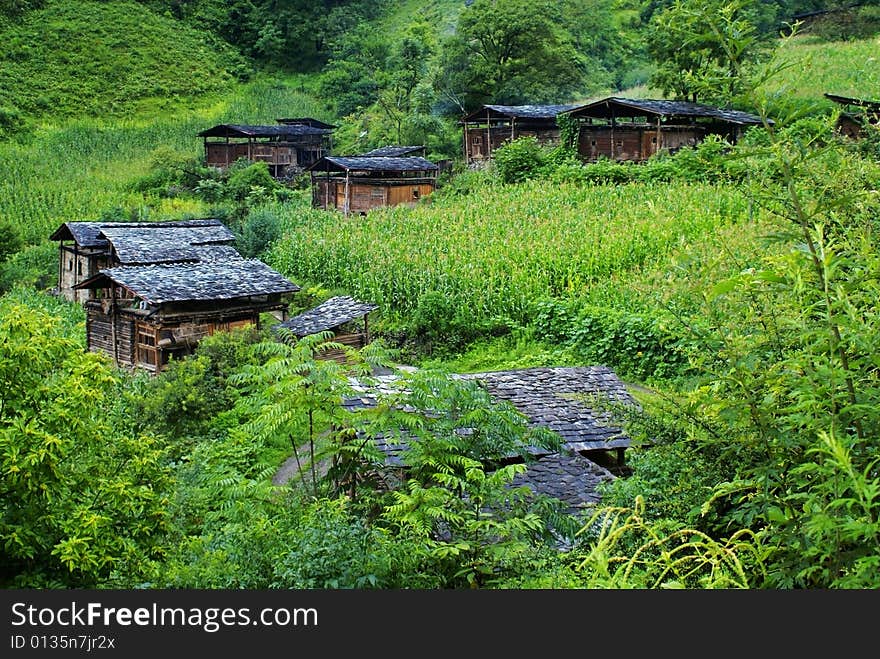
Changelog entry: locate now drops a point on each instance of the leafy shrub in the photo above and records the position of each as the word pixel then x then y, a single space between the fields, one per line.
pixel 261 228
pixel 519 159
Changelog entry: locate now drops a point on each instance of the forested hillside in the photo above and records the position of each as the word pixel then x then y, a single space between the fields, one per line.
pixel 732 287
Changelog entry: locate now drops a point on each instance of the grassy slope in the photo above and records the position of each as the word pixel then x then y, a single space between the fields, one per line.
pixel 108 59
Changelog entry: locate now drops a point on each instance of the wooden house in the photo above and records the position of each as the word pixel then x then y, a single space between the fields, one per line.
pixel 491 126
pixel 287 148
pixel 625 129
pixel 358 184
pixel 85 248
pixel 855 115
pixel 344 316
pixel 143 315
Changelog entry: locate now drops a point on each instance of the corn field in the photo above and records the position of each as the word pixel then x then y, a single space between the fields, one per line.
pixel 496 257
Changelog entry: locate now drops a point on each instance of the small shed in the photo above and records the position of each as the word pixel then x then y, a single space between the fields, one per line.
pixel 625 129
pixel 488 128
pixel 343 315
pixel 143 315
pixel 358 184
pixel 856 113
pixel 86 247
pixel 287 149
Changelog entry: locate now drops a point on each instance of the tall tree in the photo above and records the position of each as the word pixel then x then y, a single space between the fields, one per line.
pixel 513 51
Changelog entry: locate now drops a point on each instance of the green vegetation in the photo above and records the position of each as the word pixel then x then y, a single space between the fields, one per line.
pixel 735 287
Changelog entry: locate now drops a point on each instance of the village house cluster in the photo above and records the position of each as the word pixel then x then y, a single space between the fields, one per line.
pixel 153 290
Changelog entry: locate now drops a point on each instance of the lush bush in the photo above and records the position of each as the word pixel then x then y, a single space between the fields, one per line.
pixel 519 159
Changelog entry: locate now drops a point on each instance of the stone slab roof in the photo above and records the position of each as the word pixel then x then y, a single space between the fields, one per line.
pixel 185 282
pixel 249 130
pixel 559 398
pixel 519 111
pixel 167 244
pixel 329 314
pixel 664 108
pixel 90 234
pixel 572 479
pixel 372 164
pixel 393 151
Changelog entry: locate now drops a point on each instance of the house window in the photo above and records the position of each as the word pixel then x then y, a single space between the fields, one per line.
pixel 477 140
pixel 147 353
pixel 79 267
pixel 653 140
pixel 416 193
pixel 593 143
pixel 70 264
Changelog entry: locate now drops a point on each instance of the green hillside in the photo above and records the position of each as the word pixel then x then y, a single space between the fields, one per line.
pixel 106 59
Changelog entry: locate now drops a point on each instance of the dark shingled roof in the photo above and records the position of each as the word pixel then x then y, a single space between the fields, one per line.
pixel 90 234
pixel 559 398
pixel 371 164
pixel 208 280
pixel 166 244
pixel 520 111
pixel 327 315
pixel 858 102
pixel 245 130
pixel 306 121
pixel 572 479
pixel 664 108
pixel 392 151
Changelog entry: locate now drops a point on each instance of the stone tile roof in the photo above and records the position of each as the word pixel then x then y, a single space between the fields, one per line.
pixel 185 282
pixel 372 164
pixel 167 244
pixel 392 151
pixel 90 234
pixel 572 479
pixel 249 130
pixel 665 108
pixel 329 314
pixel 521 111
pixel 559 398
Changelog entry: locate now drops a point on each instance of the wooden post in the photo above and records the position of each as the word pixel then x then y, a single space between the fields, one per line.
pixel 61 271
pixel 346 205
pixel 658 136
pixel 467 146
pixel 113 336
pixel 488 136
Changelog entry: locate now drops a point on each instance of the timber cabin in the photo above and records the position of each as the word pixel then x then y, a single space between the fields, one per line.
pixel 344 316
pixel 562 399
pixel 85 248
pixel 856 114
pixel 624 129
pixel 488 128
pixel 287 148
pixel 358 184
pixel 143 315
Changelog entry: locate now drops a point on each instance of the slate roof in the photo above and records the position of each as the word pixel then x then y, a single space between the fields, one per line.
pixel 572 479
pixel 372 164
pixel 306 121
pixel 329 314
pixel 165 244
pixel 248 130
pixel 859 102
pixel 520 111
pixel 205 280
pixel 392 151
pixel 89 234
pixel 558 398
pixel 664 108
